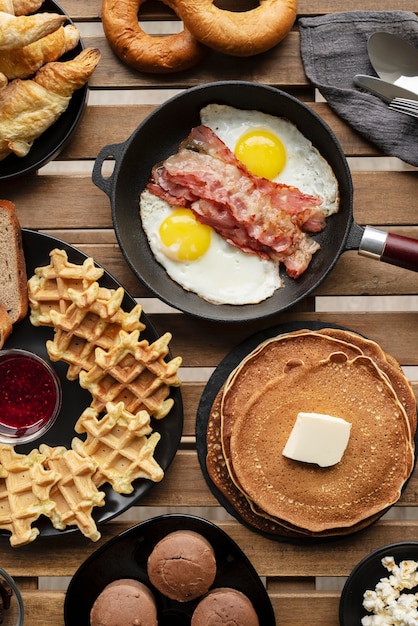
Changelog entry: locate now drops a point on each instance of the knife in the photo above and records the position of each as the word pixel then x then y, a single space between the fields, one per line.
pixel 384 90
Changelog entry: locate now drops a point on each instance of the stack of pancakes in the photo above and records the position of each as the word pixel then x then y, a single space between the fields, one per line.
pixel 330 371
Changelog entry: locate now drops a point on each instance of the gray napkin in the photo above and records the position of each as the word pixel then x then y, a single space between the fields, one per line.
pixel 334 49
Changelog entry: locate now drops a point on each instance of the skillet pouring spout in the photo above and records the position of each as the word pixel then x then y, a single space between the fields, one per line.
pixel 383 246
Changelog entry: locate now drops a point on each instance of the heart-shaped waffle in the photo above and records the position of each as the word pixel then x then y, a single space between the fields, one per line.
pixel 93 319
pixel 48 287
pixel 75 494
pixel 25 486
pixel 133 372
pixel 119 445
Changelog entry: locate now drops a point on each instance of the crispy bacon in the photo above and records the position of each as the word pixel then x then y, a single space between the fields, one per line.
pixel 255 214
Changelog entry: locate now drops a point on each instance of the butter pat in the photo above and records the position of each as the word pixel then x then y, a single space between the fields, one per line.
pixel 318 438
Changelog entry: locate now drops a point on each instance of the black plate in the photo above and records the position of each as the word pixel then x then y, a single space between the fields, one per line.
pixel 159 136
pixel 126 556
pixel 75 399
pixel 366 575
pixel 215 382
pixel 54 139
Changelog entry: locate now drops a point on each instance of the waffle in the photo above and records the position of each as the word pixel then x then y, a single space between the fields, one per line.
pixel 48 287
pixel 133 372
pixel 119 445
pixel 75 494
pixel 25 487
pixel 93 319
pixel 129 381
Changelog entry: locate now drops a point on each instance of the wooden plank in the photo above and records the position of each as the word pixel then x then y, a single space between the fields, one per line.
pixel 336 557
pixel 320 608
pixel 55 195
pixel 191 342
pixel 91 9
pixel 104 125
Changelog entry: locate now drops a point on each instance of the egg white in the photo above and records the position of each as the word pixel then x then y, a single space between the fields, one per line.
pixel 224 275
pixel 305 167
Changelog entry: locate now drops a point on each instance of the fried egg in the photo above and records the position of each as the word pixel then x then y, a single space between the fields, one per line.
pixel 272 147
pixel 200 260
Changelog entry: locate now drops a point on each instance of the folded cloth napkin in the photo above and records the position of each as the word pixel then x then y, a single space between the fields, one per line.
pixel 334 49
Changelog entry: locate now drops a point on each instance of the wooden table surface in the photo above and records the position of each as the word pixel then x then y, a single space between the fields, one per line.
pixel 65 203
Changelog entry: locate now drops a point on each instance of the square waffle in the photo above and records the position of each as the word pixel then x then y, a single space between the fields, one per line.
pixel 121 445
pixel 48 287
pixel 93 319
pixel 75 494
pixel 133 372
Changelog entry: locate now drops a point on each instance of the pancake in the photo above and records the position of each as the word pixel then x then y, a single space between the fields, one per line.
pixel 387 363
pixel 219 475
pixel 369 478
pixel 271 359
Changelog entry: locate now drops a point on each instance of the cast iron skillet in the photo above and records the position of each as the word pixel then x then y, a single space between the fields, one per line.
pixel 159 135
pixel 56 137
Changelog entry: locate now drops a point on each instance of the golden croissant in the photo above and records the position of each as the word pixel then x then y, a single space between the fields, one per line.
pixel 23 62
pixel 24 7
pixel 19 31
pixel 20 7
pixel 28 107
pixel 7 6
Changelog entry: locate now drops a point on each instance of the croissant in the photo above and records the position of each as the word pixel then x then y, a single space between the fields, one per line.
pixel 7 6
pixel 20 7
pixel 23 62
pixel 16 32
pixel 28 107
pixel 25 7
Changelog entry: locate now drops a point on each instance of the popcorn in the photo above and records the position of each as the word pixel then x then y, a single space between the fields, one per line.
pixel 389 606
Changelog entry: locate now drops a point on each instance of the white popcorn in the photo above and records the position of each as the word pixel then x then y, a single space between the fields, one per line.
pixel 390 607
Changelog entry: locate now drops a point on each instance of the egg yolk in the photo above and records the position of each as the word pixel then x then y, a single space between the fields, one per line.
pixel 262 153
pixel 184 238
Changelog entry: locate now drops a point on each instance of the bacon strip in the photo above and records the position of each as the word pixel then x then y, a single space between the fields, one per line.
pixel 257 215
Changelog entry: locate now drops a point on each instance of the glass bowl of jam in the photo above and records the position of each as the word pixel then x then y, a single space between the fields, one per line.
pixel 11 603
pixel 30 396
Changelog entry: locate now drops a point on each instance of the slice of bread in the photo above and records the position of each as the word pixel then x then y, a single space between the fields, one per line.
pixel 13 280
pixel 6 325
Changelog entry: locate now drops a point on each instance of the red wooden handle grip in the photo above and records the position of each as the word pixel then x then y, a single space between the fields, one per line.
pixel 401 251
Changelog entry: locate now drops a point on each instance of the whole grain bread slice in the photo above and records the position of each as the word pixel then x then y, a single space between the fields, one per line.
pixel 13 279
pixel 6 325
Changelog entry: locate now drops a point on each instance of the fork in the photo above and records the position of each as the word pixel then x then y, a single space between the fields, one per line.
pixel 404 105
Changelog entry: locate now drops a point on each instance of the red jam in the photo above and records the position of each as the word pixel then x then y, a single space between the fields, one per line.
pixel 29 394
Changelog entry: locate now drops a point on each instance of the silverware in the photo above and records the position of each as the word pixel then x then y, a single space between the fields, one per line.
pixel 394 60
pixel 384 90
pixel 405 105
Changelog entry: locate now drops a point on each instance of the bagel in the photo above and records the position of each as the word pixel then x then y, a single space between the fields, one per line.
pixel 238 33
pixel 144 52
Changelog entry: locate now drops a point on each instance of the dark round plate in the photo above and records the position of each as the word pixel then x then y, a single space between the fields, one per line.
pixel 214 384
pixel 75 399
pixel 55 138
pixel 126 556
pixel 366 575
pixel 159 136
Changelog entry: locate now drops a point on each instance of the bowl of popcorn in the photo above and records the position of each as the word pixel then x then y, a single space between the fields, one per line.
pixel 383 588
pixel 11 603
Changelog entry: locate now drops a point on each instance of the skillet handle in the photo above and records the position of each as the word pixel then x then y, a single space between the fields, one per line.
pixel 390 248
pixel 112 151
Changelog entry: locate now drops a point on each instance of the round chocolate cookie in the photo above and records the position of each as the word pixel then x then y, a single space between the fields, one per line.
pixel 225 606
pixel 182 565
pixel 124 602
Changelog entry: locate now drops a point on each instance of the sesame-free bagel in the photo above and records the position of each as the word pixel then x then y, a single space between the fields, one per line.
pixel 144 52
pixel 238 33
